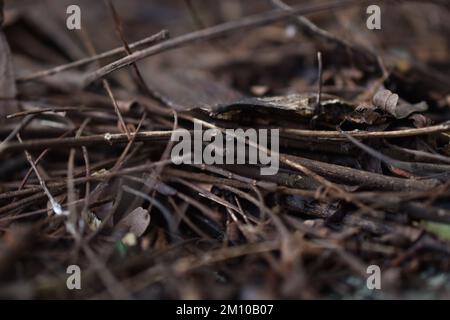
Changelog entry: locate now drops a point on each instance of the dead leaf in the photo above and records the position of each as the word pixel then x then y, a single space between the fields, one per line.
pixel 293 105
pixel 420 121
pixel 386 101
pixel 7 79
pixel 365 113
pixel 188 88
pixel 390 102
pixel 135 222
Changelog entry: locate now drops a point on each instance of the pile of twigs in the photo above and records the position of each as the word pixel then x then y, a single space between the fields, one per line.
pixel 87 177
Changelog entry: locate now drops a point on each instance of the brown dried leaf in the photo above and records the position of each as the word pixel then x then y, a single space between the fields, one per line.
pixel 420 121
pixel 386 101
pixel 365 113
pixel 390 103
pixel 135 222
pixel 302 105
pixel 404 109
pixel 7 79
pixel 188 88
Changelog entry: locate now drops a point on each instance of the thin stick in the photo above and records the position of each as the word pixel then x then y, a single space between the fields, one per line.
pixel 38 159
pixel 54 109
pixel 160 36
pixel 16 130
pixel 71 196
pixel 57 209
pixel 231 175
pixel 443 127
pixel 319 91
pixel 119 29
pixel 91 50
pixel 116 108
pixel 162 136
pixel 419 154
pixel 362 178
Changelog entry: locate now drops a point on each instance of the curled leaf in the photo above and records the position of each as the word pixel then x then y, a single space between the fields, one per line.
pixel 420 121
pixel 390 103
pixel 386 101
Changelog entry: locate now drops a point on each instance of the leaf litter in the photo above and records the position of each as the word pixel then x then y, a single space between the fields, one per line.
pixel 87 179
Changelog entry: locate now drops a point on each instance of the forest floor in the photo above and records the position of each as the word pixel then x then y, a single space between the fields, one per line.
pixel 359 123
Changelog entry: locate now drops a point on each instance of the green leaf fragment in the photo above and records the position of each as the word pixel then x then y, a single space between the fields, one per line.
pixel 442 230
pixel 121 248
